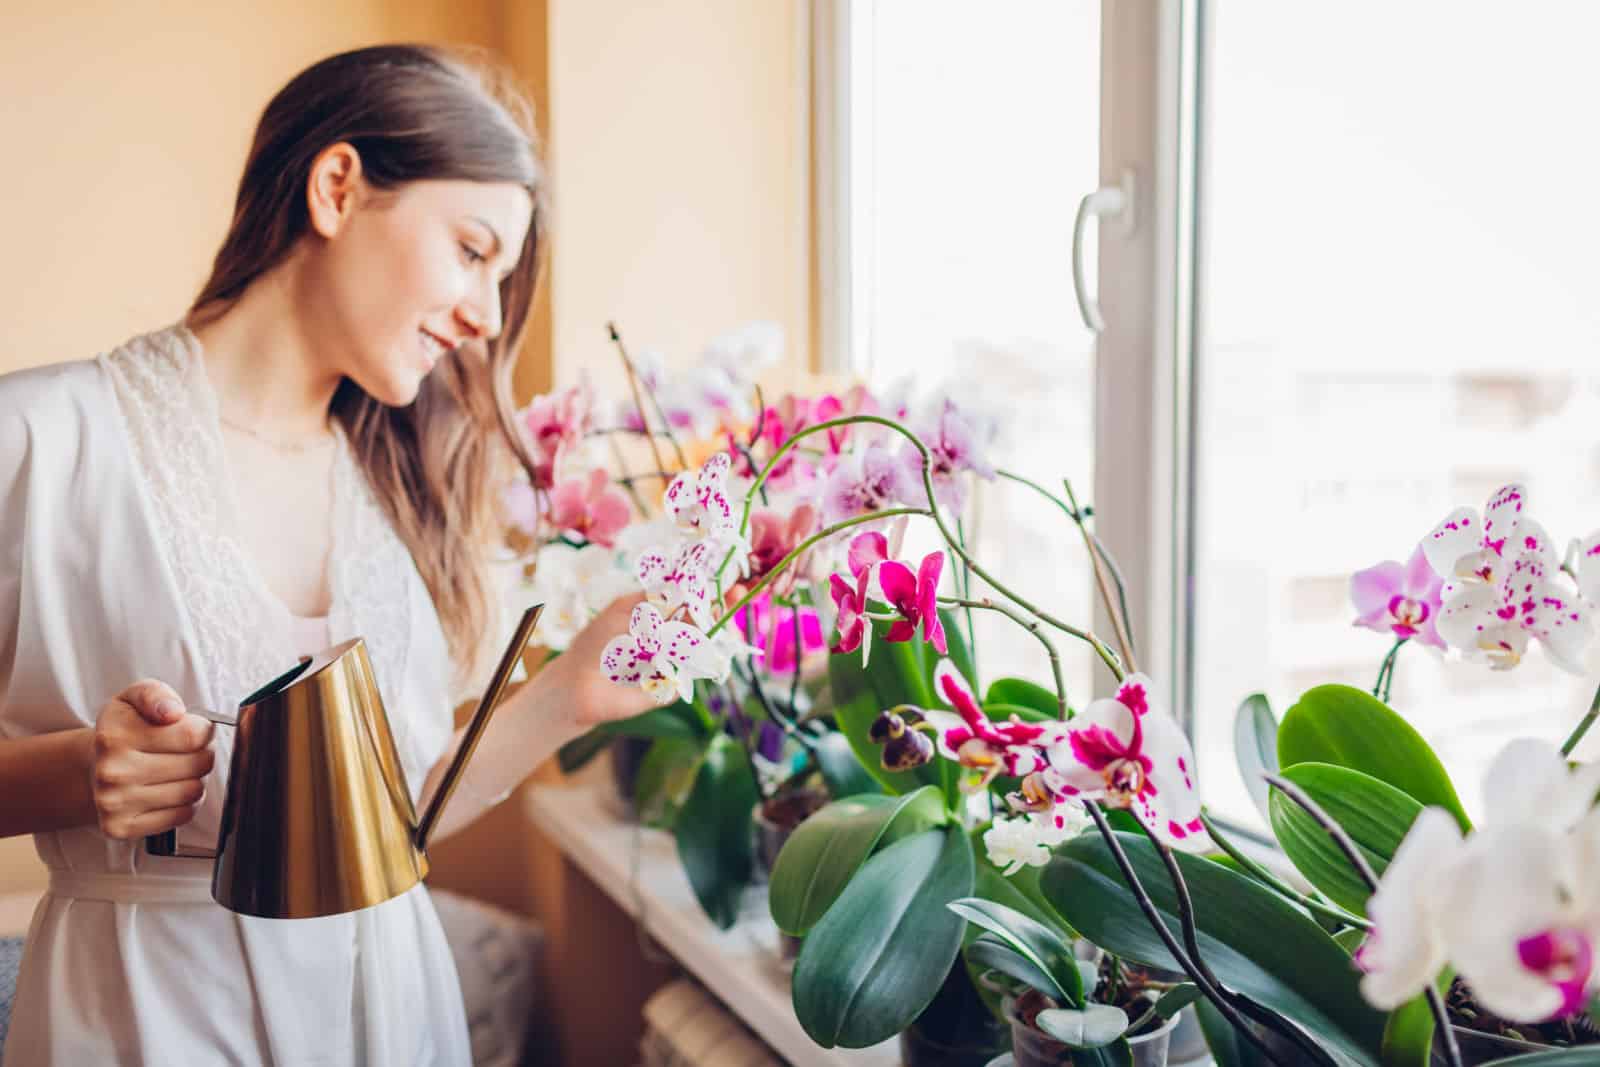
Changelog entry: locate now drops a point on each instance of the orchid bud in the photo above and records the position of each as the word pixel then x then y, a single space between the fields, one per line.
pixel 892 723
pixel 911 749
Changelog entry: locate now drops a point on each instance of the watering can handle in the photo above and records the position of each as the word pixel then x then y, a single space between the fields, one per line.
pixel 166 842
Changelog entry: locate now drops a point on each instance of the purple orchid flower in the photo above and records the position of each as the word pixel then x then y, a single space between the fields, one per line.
pixel 1404 600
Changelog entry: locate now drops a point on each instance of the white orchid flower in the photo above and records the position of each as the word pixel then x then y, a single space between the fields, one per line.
pixel 1529 599
pixel 661 656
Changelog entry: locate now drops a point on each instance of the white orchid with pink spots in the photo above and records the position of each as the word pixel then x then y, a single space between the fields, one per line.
pixel 662 656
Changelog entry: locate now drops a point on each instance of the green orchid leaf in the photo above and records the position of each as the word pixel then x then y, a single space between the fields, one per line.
pixel 880 953
pixel 988 951
pixel 680 720
pixel 1254 941
pixel 859 695
pixel 666 775
pixel 1408 1035
pixel 1374 814
pixel 715 844
pixel 1255 746
pixel 825 852
pixel 1091 1027
pixel 1019 891
pixel 1023 693
pixel 842 772
pixel 1176 999
pixel 1228 1048
pixel 955 641
pixel 1039 944
pixel 1344 726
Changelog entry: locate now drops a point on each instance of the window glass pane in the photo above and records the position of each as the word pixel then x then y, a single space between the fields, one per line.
pixel 974 132
pixel 1399 289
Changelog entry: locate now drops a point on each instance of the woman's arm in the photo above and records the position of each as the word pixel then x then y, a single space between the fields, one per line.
pixel 45 782
pixel 559 703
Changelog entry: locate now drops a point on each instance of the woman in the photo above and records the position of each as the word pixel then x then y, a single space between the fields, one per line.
pixel 309 456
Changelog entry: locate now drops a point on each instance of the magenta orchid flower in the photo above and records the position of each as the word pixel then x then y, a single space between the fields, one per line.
pixel 590 506
pixel 661 656
pixel 867 551
pixel 1529 600
pixel 771 629
pixel 915 596
pixel 1465 548
pixel 985 747
pixel 1132 755
pixel 1403 600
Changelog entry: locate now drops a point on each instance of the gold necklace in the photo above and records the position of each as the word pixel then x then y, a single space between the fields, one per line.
pixel 306 445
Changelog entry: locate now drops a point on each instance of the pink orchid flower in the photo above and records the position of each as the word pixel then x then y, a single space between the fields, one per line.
pixel 590 506
pixel 1463 547
pixel 1136 757
pixel 554 423
pixel 1530 601
pixel 867 552
pixel 978 743
pixel 1400 599
pixel 659 655
pixel 773 536
pixel 916 598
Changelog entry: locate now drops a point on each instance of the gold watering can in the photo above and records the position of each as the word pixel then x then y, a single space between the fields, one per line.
pixel 317 819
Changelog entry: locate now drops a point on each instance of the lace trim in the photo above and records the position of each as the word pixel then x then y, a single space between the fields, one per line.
pixel 171 414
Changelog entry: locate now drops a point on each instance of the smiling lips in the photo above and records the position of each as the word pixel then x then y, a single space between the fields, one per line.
pixel 433 348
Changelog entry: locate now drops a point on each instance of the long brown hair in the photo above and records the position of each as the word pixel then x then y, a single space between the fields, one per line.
pixel 412 112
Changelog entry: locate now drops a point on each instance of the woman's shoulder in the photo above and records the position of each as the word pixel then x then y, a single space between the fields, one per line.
pixel 79 387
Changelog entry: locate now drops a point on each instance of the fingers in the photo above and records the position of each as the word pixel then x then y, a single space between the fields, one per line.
pixel 161 769
pixel 147 822
pixel 156 702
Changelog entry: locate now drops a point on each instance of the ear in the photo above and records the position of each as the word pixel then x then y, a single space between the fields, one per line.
pixel 334 188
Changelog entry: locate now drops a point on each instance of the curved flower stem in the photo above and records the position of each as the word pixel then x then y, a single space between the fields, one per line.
pixel 1033 627
pixel 966 591
pixel 1583 726
pixel 1119 623
pixel 1185 964
pixel 1385 682
pixel 1272 882
pixel 633 382
pixel 1359 862
pixel 800 550
pixel 1191 940
pixel 932 511
pixel 1098 547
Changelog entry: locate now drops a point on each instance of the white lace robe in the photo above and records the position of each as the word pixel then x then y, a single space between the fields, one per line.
pixel 117 565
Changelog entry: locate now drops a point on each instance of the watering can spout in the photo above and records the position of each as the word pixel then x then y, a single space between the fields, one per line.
pixel 480 720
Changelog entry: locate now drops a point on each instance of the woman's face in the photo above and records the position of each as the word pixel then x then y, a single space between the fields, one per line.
pixel 412 273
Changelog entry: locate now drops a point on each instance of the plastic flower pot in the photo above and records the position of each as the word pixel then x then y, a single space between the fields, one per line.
pixel 1032 1047
pixel 774 819
pixel 627 755
pixel 956 1029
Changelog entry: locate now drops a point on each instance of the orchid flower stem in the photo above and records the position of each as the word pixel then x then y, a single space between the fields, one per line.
pixel 799 551
pixel 1105 557
pixel 633 382
pixel 1146 905
pixel 1272 882
pixel 1030 625
pixel 932 511
pixel 966 592
pixel 1119 622
pixel 1352 853
pixel 1385 682
pixel 626 479
pixel 1191 940
pixel 1583 725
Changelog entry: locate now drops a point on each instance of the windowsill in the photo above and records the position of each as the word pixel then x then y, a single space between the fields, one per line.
pixel 739 966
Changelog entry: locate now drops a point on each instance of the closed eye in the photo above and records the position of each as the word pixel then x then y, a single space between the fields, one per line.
pixel 472 255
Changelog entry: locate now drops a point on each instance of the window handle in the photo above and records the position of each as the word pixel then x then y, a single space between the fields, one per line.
pixel 1108 201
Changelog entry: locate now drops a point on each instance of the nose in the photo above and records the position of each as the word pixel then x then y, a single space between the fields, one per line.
pixel 480 312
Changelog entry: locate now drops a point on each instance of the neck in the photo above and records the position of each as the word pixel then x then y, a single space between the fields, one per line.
pixel 264 363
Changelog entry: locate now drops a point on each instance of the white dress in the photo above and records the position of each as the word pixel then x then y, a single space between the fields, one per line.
pixel 114 507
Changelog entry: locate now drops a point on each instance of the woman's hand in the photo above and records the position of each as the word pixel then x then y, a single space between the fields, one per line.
pixel 150 759
pixel 592 698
